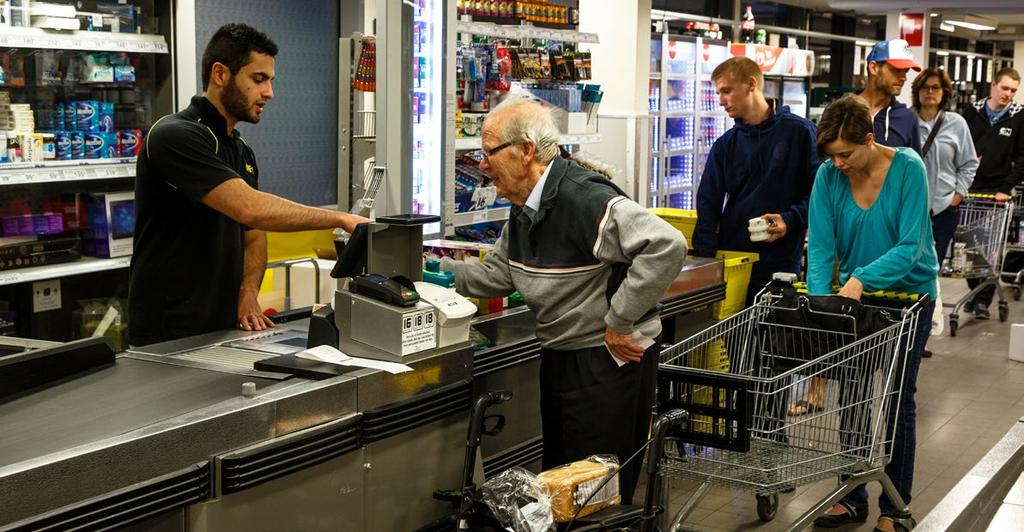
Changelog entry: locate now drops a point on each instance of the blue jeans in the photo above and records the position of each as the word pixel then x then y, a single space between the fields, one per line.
pixel 901 460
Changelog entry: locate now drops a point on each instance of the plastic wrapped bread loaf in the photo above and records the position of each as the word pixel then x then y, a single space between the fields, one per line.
pixel 570 486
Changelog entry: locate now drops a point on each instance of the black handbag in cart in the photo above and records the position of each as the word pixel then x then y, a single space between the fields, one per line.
pixel 799 328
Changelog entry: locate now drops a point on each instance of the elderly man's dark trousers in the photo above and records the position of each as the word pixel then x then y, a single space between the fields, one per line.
pixel 590 405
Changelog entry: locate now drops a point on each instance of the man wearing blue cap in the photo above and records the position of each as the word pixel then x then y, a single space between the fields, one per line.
pixel 895 123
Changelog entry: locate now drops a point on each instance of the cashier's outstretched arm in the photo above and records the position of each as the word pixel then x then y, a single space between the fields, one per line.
pixel 250 315
pixel 260 210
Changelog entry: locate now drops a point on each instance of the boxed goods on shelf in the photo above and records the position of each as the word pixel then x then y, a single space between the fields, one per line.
pixel 36 252
pixel 111 224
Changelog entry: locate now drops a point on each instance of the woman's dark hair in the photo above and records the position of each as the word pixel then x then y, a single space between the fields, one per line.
pixel 947 87
pixel 231 46
pixel 847 118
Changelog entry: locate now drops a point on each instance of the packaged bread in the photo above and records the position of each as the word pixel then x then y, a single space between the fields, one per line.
pixel 572 484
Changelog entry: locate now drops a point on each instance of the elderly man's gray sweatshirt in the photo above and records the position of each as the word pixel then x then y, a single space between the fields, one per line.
pixel 562 263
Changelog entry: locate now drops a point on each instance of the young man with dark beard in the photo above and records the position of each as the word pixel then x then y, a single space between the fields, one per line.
pixel 895 123
pixel 200 247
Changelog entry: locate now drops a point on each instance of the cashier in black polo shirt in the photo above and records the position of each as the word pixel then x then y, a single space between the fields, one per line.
pixel 200 247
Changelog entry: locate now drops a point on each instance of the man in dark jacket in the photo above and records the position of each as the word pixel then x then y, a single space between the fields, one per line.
pixel 895 123
pixel 593 265
pixel 997 127
pixel 763 167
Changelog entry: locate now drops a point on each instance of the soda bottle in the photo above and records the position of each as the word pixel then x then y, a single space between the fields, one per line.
pixel 747 26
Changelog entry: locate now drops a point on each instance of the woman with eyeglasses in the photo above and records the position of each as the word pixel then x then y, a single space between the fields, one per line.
pixel 869 209
pixel 948 153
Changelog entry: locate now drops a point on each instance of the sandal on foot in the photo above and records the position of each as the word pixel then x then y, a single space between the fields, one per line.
pixel 802 407
pixel 849 515
pixel 892 524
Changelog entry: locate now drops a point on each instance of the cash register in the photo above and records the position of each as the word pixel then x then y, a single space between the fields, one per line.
pixel 382 309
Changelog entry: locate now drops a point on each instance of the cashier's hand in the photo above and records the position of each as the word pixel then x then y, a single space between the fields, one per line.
pixel 622 345
pixel 250 316
pixel 350 221
pixel 777 227
pixel 853 289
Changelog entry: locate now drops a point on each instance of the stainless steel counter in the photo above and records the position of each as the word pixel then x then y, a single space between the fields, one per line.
pixel 164 439
pixel 148 435
pixel 127 397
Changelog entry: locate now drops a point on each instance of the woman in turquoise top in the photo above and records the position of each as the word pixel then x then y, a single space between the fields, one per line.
pixel 870 209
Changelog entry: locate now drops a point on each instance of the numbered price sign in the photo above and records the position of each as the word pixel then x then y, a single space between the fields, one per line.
pixel 419 332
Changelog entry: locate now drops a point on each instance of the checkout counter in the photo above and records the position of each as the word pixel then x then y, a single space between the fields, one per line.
pixel 230 430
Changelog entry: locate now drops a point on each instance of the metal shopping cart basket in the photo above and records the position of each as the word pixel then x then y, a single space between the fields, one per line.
pixel 737 378
pixel 1013 262
pixel 978 249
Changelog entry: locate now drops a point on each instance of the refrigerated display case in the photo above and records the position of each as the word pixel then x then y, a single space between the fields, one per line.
pixel 788 91
pixel 427 106
pixel 685 116
pixel 787 72
pixel 411 83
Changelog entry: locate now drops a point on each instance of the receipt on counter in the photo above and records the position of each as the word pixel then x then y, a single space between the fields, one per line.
pixel 331 355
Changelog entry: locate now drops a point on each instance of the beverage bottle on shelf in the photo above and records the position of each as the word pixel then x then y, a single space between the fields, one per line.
pixel 747 26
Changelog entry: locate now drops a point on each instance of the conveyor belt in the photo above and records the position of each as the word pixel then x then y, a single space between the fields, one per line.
pixel 224 356
pixel 130 395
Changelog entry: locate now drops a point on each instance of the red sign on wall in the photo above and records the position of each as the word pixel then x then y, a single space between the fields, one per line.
pixel 912 28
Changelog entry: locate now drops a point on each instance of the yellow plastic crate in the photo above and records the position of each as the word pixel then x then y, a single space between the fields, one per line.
pixel 682 219
pixel 712 357
pixel 738 266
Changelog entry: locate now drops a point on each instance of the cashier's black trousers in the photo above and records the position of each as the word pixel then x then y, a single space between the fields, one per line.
pixel 589 405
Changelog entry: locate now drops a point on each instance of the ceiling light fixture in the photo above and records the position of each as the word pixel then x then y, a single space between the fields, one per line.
pixel 972 25
pixel 971 22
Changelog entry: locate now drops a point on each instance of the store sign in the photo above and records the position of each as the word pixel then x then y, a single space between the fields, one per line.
pixel 912 28
pixel 775 61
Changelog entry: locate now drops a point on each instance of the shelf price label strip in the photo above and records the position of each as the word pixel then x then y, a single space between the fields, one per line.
pixel 105 170
pixel 41 273
pixel 525 32
pixel 79 41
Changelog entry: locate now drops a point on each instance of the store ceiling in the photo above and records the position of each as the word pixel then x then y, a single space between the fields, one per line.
pixel 881 6
pixel 1008 13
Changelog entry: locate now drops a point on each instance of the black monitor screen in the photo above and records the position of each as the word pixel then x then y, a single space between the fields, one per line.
pixel 352 257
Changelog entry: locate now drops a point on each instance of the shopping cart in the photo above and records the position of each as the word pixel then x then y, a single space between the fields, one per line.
pixel 1013 262
pixel 977 251
pixel 740 435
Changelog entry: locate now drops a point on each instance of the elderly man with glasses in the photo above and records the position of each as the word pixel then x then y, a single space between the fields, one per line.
pixel 592 264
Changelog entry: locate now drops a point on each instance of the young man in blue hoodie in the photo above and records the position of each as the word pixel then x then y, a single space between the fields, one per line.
pixel 895 123
pixel 763 167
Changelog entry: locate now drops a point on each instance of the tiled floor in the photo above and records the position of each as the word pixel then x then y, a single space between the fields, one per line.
pixel 969 395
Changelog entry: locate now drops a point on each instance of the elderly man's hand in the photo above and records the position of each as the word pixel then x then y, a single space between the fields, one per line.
pixel 1002 197
pixel 622 345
